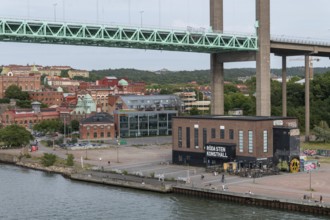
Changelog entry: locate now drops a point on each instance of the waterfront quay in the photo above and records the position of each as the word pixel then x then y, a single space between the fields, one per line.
pixel 147 166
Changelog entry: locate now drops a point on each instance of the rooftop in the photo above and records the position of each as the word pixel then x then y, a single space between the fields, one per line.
pixel 232 117
pixel 101 117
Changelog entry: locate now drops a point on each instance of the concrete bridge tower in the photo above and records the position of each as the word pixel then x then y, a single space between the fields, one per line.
pixel 262 58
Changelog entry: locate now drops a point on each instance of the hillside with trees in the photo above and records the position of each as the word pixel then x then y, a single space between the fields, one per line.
pixel 202 77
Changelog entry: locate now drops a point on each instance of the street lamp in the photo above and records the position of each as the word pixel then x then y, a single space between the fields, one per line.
pixel 88 130
pixel 118 143
pixel 55 4
pixel 141 13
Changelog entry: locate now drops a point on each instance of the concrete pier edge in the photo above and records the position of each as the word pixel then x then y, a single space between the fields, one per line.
pixel 246 199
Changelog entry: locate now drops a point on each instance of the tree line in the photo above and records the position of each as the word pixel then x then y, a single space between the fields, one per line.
pixel 202 77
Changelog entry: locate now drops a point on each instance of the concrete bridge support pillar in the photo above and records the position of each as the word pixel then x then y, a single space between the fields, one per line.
pixel 284 93
pixel 217 70
pixel 263 58
pixel 307 111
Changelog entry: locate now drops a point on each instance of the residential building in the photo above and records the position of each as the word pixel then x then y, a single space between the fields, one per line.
pixel 50 71
pixel 251 141
pixel 61 82
pixel 82 73
pixel 19 69
pixel 191 100
pixel 49 98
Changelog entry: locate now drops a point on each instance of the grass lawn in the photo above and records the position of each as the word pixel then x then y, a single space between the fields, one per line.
pixel 314 146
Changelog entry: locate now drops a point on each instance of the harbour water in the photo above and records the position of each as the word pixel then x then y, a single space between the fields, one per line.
pixel 30 194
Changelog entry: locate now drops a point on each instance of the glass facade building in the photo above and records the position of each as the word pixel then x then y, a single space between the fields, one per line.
pixel 144 123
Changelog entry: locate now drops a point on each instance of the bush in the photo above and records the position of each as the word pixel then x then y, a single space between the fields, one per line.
pixel 48 159
pixel 70 160
pixel 49 143
pixel 152 175
pixel 74 140
pixel 59 141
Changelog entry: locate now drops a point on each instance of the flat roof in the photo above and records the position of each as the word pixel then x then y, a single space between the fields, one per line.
pixel 234 117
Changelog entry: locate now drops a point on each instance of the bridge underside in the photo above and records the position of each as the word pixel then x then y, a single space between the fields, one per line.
pixel 296 49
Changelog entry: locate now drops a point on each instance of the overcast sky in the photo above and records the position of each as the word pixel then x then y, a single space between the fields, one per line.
pixel 298 18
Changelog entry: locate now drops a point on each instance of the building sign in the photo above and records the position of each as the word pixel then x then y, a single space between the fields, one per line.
pixel 294 132
pixel 310 165
pixel 278 123
pixel 292 124
pixel 216 151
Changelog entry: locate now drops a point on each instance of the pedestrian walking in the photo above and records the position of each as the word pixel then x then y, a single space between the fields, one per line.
pixel 202 177
pixel 321 199
pixel 108 162
pixel 223 178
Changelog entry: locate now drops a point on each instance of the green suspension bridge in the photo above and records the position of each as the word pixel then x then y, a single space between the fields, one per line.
pixel 43 32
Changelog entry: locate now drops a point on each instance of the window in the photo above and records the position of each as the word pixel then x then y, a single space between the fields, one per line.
pixel 188 137
pixel 250 141
pixel 231 134
pixel 265 141
pixel 222 133
pixel 196 137
pixel 240 140
pixel 213 133
pixel 102 135
pixel 95 135
pixel 204 136
pixel 109 134
pixel 180 137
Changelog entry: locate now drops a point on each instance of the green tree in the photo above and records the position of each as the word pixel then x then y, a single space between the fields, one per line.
pixel 238 100
pixel 15 92
pixel 194 111
pixel 48 126
pixel 15 136
pixel 48 159
pixel 322 131
pixel 64 73
pixel 70 160
pixel 4 100
pixel 74 125
pixel 24 103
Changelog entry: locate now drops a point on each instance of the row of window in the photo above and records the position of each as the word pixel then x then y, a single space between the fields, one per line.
pixel 46 94
pixel 100 126
pixel 101 135
pixel 222 136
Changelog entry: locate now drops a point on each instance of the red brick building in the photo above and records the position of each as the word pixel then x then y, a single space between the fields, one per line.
pixel 29 117
pixel 30 82
pixel 109 81
pixel 98 127
pixel 251 141
pixel 47 97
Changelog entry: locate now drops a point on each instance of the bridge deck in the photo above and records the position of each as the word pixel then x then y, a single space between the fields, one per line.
pixel 298 46
pixel 126 37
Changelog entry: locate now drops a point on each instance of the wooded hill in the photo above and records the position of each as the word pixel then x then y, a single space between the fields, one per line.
pixel 200 76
